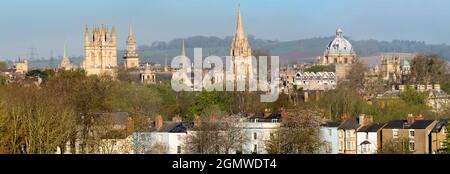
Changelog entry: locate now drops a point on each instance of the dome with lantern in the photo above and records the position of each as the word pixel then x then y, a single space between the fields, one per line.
pixel 339 45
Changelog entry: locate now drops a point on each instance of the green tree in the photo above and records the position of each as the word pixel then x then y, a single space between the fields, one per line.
pixel 3 65
pixel 447 141
pixel 411 96
pixel 321 68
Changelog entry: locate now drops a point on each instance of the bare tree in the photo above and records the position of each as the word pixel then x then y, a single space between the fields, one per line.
pixel 300 133
pixel 216 136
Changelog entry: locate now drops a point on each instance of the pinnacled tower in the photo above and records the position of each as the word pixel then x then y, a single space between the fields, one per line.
pixel 100 51
pixel 131 57
pixel 241 52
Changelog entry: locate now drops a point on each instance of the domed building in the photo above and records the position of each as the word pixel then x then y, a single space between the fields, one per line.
pixel 339 52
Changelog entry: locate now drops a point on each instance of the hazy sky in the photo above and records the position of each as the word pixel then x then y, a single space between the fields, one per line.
pixel 46 24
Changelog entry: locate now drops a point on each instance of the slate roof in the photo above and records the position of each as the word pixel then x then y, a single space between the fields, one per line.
pixel 371 128
pixel 329 124
pixel 264 117
pixel 403 124
pixel 175 127
pixel 351 123
pixel 441 124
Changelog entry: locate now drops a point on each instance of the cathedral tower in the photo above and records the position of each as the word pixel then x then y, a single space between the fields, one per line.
pixel 100 51
pixel 131 57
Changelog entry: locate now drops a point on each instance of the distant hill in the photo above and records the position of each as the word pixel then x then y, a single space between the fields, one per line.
pixel 304 50
pixel 289 51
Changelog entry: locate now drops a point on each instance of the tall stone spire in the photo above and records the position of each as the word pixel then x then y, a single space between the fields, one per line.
pixel 65 49
pixel 241 52
pixel 130 32
pixel 239 28
pixel 65 62
pixel 183 49
pixel 240 46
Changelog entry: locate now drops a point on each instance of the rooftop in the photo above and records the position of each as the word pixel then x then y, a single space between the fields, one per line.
pixel 371 128
pixel 403 124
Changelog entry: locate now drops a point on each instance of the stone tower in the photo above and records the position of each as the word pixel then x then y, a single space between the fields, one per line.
pixel 100 51
pixel 241 52
pixel 131 57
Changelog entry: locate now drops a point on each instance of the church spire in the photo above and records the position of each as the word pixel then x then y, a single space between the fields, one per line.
pixel 130 31
pixel 183 49
pixel 65 49
pixel 239 28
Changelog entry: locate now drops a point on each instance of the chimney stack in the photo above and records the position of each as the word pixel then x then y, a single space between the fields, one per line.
pixel 410 119
pixel 158 121
pixel 419 117
pixel 345 117
pixel 197 121
pixel 365 120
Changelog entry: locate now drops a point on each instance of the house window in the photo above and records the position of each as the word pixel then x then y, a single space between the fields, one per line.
pixel 395 133
pixel 412 146
pixel 179 149
pixel 255 148
pixel 255 136
pixel 411 133
pixel 330 133
pixel 340 134
pixel 348 146
pixel 341 146
pixel 328 147
pixel 348 133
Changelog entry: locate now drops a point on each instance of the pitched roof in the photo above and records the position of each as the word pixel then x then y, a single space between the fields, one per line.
pixel 371 128
pixel 329 124
pixel 264 117
pixel 439 125
pixel 403 124
pixel 175 127
pixel 351 123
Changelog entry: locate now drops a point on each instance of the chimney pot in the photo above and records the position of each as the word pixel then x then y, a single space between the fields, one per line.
pixel 410 119
pixel 158 121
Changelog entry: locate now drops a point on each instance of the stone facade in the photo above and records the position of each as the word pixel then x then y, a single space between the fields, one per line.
pixel 21 67
pixel 311 81
pixel 100 51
